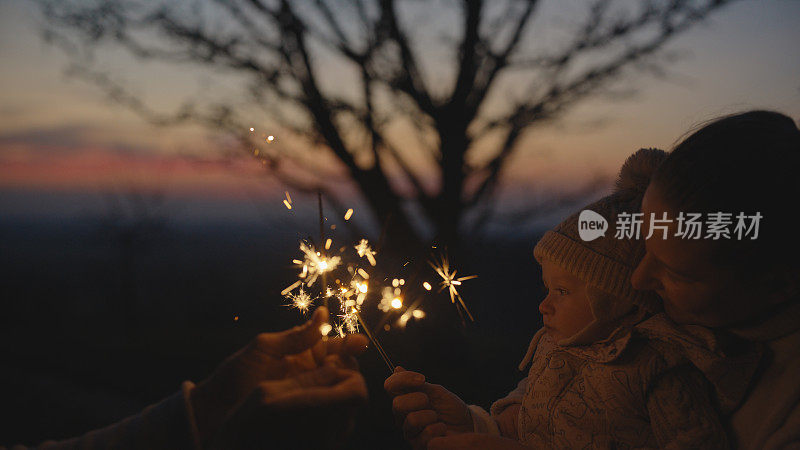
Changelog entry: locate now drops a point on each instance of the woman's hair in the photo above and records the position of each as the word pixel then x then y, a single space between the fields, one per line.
pixel 747 162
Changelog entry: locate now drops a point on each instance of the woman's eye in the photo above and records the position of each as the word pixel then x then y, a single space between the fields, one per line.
pixel 562 291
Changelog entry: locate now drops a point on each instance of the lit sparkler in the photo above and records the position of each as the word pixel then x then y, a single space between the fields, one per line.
pixel 315 264
pixel 302 300
pixel 351 294
pixel 451 283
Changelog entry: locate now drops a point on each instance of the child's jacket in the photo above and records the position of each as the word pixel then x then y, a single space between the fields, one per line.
pixel 656 384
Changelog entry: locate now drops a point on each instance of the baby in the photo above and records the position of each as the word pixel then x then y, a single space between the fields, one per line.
pixel 608 370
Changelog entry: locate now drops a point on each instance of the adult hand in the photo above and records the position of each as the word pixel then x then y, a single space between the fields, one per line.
pixel 269 357
pixel 310 410
pixel 474 441
pixel 425 410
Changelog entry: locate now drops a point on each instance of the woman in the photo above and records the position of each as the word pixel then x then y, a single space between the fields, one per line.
pixel 744 285
pixel 746 163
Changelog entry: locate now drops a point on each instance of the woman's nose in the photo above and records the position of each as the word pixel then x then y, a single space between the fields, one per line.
pixel 643 278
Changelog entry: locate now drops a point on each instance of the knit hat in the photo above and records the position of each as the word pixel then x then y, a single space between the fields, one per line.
pixel 606 263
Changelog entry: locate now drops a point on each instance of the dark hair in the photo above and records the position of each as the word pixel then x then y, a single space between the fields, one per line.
pixel 747 162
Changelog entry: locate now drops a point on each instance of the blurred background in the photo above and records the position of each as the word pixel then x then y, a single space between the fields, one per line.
pixel 147 148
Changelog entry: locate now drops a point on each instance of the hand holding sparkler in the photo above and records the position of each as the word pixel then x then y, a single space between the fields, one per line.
pixel 269 357
pixel 425 410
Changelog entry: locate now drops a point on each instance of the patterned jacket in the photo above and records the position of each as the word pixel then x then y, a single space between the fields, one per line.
pixel 653 385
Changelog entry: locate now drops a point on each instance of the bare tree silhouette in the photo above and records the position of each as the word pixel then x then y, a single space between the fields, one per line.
pixel 503 82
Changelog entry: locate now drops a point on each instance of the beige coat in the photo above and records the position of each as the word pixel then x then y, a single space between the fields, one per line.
pixel 653 385
pixel 769 417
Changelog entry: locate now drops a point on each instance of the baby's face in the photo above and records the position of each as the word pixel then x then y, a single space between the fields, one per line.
pixel 565 310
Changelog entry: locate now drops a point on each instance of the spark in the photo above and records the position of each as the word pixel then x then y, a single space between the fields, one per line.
pixel 325 328
pixel 427 286
pixel 409 314
pixel 397 303
pixel 328 244
pixel 288 205
pixel 350 320
pixel 315 264
pixel 252 129
pixel 291 288
pixel 387 297
pixel 255 152
pixel 270 138
pixel 301 300
pixel 403 320
pixel 449 281
pixel 348 214
pixel 364 250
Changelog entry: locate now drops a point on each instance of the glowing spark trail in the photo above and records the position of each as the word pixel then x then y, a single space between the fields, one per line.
pixel 364 250
pixel 291 287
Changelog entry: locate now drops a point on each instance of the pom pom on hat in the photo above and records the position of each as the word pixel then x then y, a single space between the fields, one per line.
pixel 636 172
pixel 606 263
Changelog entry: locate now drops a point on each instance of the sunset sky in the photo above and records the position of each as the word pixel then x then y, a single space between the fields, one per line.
pixel 62 143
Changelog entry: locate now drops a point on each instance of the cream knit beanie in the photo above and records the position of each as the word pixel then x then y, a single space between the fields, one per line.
pixel 605 263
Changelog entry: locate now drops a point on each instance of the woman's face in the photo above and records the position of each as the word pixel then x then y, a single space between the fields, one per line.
pixel 565 310
pixel 694 289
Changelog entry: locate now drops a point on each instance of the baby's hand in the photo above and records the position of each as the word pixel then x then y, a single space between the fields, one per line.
pixel 507 421
pixel 425 410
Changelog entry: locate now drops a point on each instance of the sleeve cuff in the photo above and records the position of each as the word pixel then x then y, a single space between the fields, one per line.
pixel 513 398
pixel 482 422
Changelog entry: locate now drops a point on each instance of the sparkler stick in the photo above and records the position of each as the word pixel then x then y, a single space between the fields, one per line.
pixel 374 341
pixel 321 244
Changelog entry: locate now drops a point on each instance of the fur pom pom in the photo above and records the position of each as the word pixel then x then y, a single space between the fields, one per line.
pixel 638 169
